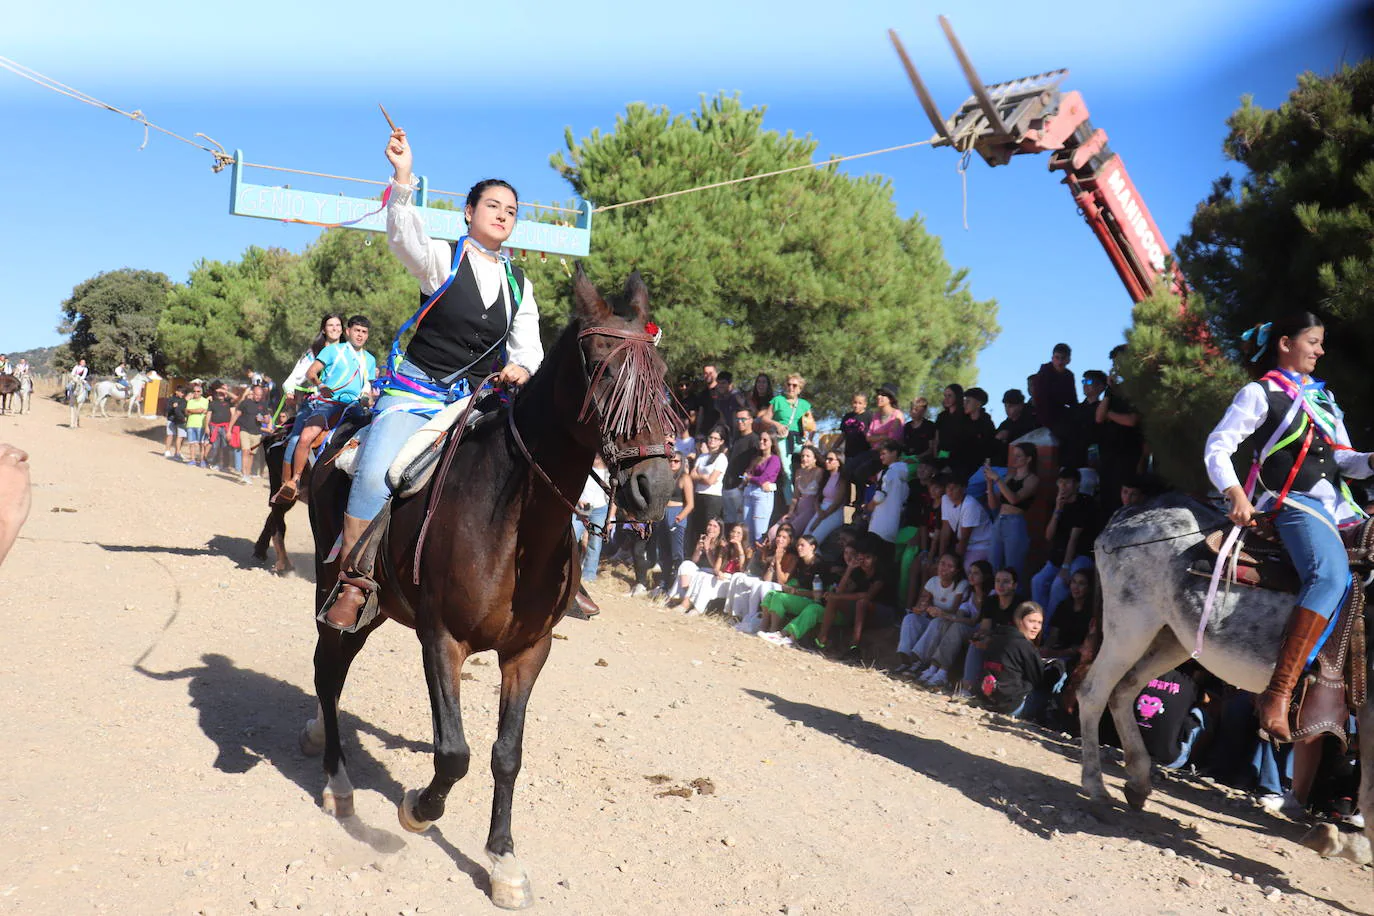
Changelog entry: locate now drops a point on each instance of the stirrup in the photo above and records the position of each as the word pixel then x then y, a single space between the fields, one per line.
pixel 366 614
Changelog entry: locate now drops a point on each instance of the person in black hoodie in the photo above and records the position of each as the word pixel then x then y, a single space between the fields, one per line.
pixel 1012 669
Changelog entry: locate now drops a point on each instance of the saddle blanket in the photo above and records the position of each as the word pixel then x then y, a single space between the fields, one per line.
pixel 415 462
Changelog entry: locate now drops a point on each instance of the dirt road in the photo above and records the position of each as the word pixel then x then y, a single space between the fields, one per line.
pixel 157 684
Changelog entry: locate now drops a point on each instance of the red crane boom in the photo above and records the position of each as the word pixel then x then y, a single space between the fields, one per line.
pixel 1032 115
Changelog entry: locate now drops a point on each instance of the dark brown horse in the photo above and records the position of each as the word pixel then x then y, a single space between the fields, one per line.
pixel 498 566
pixel 9 387
pixel 273 447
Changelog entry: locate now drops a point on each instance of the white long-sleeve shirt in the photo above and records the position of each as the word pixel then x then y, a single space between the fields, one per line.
pixel 297 377
pixel 1248 411
pixel 431 260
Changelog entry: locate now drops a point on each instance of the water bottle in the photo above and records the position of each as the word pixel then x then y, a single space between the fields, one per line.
pixel 816 586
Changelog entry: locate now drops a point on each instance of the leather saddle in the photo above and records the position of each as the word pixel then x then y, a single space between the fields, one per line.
pixel 1335 684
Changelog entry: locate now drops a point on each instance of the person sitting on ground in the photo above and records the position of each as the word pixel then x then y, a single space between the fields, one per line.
pixel 967 530
pixel 809 479
pixel 870 593
pixel 1054 391
pixel 703 559
pixel 1019 422
pixel 770 568
pixel 939 601
pixel 834 497
pixel 1071 530
pixel 885 508
pixel 1011 496
pixel 918 435
pixel 794 595
pixel 1170 717
pixel 1013 674
pixel 939 651
pixel 342 377
pixel 709 584
pixel 996 610
pixel 1072 622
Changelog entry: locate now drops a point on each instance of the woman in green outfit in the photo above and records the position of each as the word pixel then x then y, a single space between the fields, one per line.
pixel 789 412
pixel 794 597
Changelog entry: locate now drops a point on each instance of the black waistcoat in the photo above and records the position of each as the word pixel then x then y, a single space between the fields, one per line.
pixel 456 333
pixel 1319 464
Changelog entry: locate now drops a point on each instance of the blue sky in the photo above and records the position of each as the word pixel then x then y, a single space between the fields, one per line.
pixel 491 93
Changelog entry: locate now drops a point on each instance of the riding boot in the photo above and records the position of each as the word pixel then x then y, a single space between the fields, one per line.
pixel 1299 637
pixel 343 613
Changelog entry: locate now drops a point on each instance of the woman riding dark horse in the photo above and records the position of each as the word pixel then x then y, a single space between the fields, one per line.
pixel 485 558
pixel 1289 425
pixel 477 317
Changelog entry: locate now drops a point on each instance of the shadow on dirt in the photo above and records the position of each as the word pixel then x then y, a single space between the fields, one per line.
pixel 1036 802
pixel 255 718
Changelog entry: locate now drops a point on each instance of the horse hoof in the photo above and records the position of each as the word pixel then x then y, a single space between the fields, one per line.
pixel 405 813
pixel 510 886
pixel 339 806
pixel 311 746
pixel 1136 799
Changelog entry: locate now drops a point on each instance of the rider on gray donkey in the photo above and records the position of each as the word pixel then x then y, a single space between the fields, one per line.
pixel 1291 427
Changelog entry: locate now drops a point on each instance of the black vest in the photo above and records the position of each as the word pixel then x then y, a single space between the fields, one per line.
pixel 456 333
pixel 1319 463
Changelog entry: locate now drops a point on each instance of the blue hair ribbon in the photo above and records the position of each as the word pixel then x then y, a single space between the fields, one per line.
pixel 1260 334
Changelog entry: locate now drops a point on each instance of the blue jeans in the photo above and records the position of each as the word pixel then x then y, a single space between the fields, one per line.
pixel 1197 722
pixel 1010 542
pixel 592 558
pixel 1317 552
pixel 670 539
pixel 758 510
pixel 310 410
pixel 1049 591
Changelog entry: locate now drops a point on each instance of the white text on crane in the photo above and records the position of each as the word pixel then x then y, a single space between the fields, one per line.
pixel 1140 225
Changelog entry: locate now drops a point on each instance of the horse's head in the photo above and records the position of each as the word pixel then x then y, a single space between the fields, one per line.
pixel 628 408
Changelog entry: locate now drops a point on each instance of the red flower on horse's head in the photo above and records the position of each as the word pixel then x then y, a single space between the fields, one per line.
pixel 653 331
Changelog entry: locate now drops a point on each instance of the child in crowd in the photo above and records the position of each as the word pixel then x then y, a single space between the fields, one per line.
pixel 967 530
pixel 939 601
pixel 940 646
pixel 1013 673
pixel 773 564
pixel 885 508
pixel 866 588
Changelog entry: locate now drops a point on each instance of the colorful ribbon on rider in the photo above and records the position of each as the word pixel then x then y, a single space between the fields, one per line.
pixel 386 196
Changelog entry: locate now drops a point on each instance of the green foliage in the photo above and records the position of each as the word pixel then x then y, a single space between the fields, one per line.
pixel 1180 384
pixel 1297 231
pixel 811 272
pixel 113 318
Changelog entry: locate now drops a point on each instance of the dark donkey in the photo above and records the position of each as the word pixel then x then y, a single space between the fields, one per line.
pixel 498 566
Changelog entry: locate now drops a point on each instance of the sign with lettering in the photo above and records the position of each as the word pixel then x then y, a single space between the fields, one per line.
pixel 266 202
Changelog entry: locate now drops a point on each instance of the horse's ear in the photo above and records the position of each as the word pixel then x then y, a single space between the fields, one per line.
pixel 637 296
pixel 588 301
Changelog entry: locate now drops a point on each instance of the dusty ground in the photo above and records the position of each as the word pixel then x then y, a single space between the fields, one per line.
pixel 157 684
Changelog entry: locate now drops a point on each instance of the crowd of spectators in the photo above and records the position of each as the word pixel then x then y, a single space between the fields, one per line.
pixel 964 545
pixel 212 426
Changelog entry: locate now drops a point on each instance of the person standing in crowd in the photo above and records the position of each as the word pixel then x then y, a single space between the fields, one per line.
pixel 1078 427
pixel 176 424
pixel 791 416
pixel 1054 391
pixel 760 397
pixel 342 376
pixel 952 434
pixel 217 427
pixel 599 511
pixel 760 487
pixel 918 435
pixel 249 416
pixel 885 508
pixel 854 427
pixel 743 449
pixel 670 534
pixel 1020 421
pixel 1010 497
pixel 197 410
pixel 1071 531
pixel 708 478
pixel 981 432
pixel 702 412
pixel 1120 442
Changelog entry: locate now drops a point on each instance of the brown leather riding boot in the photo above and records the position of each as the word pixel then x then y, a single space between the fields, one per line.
pixel 343 613
pixel 1304 629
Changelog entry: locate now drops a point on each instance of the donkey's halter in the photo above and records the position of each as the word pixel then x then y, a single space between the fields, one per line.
pixel 631 405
